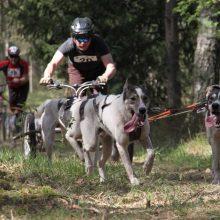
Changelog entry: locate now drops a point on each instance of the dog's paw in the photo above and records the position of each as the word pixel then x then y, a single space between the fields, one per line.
pixel 135 181
pixel 101 180
pixel 101 175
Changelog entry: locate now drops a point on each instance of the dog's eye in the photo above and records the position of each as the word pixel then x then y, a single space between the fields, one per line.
pixel 133 98
pixel 212 98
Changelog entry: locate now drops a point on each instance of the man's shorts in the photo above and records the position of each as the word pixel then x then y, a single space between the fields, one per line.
pixel 18 96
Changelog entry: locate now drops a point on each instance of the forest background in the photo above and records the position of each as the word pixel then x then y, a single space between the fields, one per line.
pixel 171 46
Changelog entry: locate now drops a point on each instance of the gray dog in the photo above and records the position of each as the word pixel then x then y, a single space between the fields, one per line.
pixel 122 118
pixel 48 116
pixel 212 122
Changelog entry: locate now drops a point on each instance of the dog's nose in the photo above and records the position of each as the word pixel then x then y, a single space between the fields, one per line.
pixel 215 106
pixel 142 110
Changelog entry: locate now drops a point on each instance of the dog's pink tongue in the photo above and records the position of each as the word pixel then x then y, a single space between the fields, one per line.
pixel 210 121
pixel 132 124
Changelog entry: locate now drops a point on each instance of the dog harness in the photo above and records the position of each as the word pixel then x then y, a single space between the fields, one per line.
pixel 134 135
pixel 83 104
pixel 96 107
pixel 60 103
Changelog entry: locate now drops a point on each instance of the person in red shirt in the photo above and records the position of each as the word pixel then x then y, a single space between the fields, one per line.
pixel 16 72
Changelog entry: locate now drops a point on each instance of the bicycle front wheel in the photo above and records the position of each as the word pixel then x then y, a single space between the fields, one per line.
pixel 29 142
pixel 2 126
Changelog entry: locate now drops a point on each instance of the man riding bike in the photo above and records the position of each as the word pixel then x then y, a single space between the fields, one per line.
pixel 16 72
pixel 89 56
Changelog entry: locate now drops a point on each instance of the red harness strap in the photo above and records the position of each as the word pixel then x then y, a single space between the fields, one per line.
pixel 170 112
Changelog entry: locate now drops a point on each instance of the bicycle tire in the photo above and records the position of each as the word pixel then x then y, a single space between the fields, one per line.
pixel 29 140
pixel 2 126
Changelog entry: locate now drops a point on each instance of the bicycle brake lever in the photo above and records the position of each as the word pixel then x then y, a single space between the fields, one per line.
pixel 51 82
pixel 58 86
pixel 54 85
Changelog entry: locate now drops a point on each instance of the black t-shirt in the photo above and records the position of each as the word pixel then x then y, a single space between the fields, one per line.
pixel 88 62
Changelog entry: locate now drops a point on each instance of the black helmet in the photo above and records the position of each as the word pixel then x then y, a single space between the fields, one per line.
pixel 13 51
pixel 82 26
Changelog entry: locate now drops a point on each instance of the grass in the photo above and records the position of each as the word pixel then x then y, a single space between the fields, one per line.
pixel 178 187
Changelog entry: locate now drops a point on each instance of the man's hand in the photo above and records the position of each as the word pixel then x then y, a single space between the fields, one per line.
pixel 16 80
pixel 20 81
pixel 45 80
pixel 102 79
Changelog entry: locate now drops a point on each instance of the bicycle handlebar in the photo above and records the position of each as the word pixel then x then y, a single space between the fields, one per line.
pixel 77 88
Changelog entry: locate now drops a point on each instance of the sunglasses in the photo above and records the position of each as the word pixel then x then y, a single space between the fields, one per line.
pixel 83 39
pixel 13 56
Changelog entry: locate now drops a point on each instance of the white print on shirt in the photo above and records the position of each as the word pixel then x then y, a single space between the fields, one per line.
pixel 85 59
pixel 14 72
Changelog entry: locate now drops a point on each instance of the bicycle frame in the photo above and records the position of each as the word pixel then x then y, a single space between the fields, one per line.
pixel 78 90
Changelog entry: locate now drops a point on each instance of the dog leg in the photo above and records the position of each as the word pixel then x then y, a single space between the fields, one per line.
pixel 91 162
pixel 216 162
pixel 74 144
pixel 88 163
pixel 90 142
pixel 115 154
pixel 148 164
pixel 89 159
pixel 107 143
pixel 48 133
pixel 127 164
pixel 131 151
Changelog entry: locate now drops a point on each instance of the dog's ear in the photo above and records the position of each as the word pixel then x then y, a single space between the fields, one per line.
pixel 127 84
pixel 210 89
pixel 144 86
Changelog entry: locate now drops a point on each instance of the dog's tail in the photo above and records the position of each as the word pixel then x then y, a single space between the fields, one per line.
pixel 40 109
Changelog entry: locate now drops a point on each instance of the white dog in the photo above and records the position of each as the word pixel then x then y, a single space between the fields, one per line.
pixel 122 118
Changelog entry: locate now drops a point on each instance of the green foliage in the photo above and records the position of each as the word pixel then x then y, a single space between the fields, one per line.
pixel 190 10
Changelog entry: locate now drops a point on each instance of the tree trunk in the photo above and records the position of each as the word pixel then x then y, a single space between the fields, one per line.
pixel 2 29
pixel 217 62
pixel 4 41
pixel 171 35
pixel 206 58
